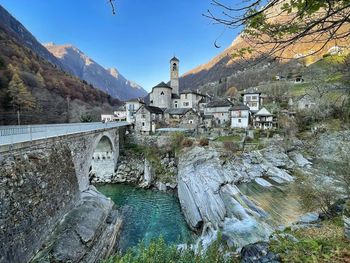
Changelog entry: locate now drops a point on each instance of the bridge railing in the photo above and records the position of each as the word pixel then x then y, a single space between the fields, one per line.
pixel 23 133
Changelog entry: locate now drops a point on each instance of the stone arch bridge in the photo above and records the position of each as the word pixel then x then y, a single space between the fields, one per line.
pixel 44 171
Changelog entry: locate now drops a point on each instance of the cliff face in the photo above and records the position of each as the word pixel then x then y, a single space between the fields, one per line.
pixel 107 80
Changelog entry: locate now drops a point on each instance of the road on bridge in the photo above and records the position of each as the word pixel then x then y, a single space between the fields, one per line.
pixel 26 133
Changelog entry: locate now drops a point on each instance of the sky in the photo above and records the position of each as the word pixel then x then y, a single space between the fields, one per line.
pixel 139 40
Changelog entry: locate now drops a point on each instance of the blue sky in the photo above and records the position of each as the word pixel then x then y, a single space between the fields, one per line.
pixel 139 40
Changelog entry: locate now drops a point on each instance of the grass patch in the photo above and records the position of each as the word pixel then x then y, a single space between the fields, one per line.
pixel 231 138
pixel 324 244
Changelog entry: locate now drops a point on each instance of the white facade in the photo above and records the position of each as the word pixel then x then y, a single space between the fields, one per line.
pixel 240 118
pixel 120 115
pixel 190 99
pixel 107 117
pixel 252 100
pixel 131 107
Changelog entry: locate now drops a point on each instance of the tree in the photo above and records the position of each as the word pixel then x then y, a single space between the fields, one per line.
pixel 21 97
pixel 277 25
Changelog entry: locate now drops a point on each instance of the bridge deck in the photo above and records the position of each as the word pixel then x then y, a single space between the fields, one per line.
pixel 26 133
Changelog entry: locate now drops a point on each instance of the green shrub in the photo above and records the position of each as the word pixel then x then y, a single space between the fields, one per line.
pixel 159 252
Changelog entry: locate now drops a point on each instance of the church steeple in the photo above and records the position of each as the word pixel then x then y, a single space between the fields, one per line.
pixel 174 75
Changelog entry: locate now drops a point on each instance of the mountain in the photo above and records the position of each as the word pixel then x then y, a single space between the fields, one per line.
pixel 15 29
pixel 224 65
pixel 53 95
pixel 82 66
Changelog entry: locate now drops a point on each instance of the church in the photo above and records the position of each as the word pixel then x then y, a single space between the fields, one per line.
pixel 168 97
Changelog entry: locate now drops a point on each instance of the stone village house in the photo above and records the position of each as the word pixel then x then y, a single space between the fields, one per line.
pixel 147 118
pixel 240 116
pixel 219 109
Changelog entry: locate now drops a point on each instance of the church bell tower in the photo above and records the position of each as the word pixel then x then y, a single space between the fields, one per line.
pixel 174 75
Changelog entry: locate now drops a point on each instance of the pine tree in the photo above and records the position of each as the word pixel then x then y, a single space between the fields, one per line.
pixel 21 97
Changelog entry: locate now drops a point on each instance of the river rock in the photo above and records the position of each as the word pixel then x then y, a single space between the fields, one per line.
pixel 299 159
pixel 258 253
pixel 308 218
pixel 161 186
pixel 148 175
pixel 86 234
pixel 210 200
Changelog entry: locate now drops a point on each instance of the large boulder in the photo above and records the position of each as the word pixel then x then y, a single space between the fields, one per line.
pixel 208 197
pixel 86 234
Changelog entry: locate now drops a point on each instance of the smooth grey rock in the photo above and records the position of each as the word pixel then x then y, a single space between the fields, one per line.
pixel 308 218
pixel 299 159
pixel 148 175
pixel 208 197
pixel 161 186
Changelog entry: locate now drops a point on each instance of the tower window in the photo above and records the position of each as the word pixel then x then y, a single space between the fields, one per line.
pixel 174 66
pixel 162 93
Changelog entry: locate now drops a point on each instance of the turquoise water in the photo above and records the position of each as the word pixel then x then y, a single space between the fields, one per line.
pixel 147 215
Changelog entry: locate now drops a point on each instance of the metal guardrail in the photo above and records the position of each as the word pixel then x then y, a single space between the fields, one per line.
pixel 27 133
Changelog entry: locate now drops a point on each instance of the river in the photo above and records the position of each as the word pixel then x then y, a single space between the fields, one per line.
pixel 148 215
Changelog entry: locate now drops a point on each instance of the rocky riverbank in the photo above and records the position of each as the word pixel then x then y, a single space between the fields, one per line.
pixel 211 201
pixel 142 171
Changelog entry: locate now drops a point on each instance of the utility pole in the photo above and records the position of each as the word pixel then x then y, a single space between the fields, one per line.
pixel 18 118
pixel 68 106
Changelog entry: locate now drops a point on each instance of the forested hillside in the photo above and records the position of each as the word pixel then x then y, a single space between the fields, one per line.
pixel 42 93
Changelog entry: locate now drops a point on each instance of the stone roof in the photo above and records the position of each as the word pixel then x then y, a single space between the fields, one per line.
pixel 175 59
pixel 192 92
pixel 240 107
pixel 263 112
pixel 219 103
pixel 162 85
pixel 177 111
pixel 153 109
pixel 136 100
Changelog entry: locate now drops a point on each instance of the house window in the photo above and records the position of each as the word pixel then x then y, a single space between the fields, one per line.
pixel 190 121
pixel 151 101
pixel 143 124
pixel 185 96
pixel 162 93
pixel 222 114
pixel 186 104
pixel 254 98
pixel 248 98
pixel 239 120
pixel 175 105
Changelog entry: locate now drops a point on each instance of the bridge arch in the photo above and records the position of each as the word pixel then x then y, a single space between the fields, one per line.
pixel 103 161
pixel 88 149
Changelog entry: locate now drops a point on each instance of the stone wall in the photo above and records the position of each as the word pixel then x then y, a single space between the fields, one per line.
pixel 37 187
pixel 39 183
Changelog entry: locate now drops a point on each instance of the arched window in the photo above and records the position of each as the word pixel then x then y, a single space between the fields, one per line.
pixel 174 66
pixel 162 93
